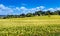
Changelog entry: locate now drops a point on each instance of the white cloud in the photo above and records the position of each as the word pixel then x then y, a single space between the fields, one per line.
pixel 23 8
pixel 5 10
pixel 58 8
pixel 45 9
pixel 37 8
pixel 2 6
pixel 52 9
pixel 19 10
pixel 42 7
pixel 26 10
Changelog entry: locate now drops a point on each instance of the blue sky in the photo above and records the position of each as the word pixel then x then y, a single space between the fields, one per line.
pixel 25 6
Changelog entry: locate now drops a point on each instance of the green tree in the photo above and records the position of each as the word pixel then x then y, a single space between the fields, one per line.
pixel 58 12
pixel 29 15
pixel 48 13
pixel 38 13
pixel 22 15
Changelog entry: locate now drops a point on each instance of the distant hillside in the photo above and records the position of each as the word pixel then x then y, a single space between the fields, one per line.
pixel 2 15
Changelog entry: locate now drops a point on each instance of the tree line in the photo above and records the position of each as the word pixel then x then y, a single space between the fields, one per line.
pixel 37 13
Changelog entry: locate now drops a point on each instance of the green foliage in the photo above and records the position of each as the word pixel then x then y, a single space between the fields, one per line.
pixel 29 15
pixel 22 15
pixel 4 17
pixel 58 11
pixel 48 12
pixel 38 13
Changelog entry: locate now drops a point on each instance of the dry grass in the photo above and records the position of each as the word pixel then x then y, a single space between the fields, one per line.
pixel 30 21
pixel 31 26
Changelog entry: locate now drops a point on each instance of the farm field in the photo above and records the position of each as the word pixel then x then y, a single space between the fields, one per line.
pixel 31 26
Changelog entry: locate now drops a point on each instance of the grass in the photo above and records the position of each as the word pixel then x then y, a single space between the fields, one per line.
pixel 31 26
